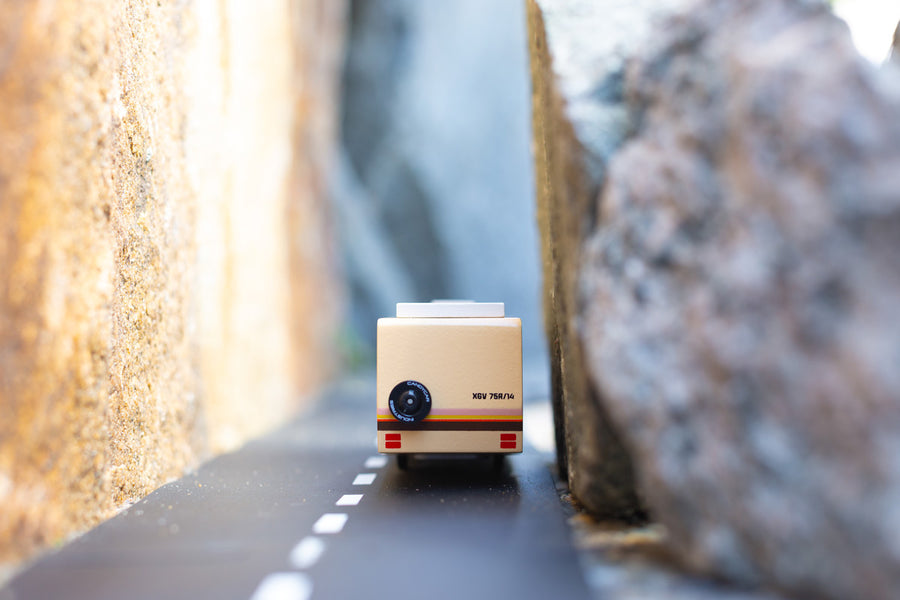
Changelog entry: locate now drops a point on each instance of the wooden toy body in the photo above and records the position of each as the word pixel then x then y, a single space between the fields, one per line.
pixel 471 369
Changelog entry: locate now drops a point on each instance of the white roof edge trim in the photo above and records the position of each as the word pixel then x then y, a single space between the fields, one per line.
pixel 448 309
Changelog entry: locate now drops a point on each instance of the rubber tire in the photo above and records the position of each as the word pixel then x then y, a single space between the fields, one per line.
pixel 403 462
pixel 498 462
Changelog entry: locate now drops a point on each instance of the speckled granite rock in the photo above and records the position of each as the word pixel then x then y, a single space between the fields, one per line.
pixel 158 228
pixel 622 562
pixel 740 297
pixel 579 119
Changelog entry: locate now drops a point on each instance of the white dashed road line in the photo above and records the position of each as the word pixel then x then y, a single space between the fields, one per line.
pixel 298 586
pixel 376 462
pixel 349 500
pixel 307 552
pixel 284 586
pixel 330 523
pixel 364 479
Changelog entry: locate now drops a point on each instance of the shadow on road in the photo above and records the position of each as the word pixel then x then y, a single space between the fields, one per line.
pixel 451 481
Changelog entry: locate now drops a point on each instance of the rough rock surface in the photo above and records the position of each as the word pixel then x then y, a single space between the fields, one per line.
pixel 579 119
pixel 436 196
pixel 740 297
pixel 157 227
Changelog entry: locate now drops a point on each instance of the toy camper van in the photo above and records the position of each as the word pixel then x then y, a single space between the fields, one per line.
pixel 449 380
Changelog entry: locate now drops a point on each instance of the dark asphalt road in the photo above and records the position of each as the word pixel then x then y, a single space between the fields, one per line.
pixel 291 515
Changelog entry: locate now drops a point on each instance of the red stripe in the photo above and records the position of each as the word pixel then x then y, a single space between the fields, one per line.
pixel 392 420
pixel 510 445
pixel 507 437
pixel 394 437
pixel 392 444
pixel 475 420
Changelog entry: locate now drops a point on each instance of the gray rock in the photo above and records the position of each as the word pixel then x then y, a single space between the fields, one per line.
pixel 740 297
pixel 590 43
pixel 578 54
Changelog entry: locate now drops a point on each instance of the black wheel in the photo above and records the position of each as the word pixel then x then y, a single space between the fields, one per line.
pixel 498 462
pixel 403 461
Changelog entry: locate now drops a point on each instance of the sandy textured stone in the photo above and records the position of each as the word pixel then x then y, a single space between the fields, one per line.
pixel 267 301
pixel 160 232
pixel 740 297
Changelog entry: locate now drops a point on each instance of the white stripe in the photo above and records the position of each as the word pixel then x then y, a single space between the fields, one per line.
pixel 307 552
pixel 450 308
pixel 330 523
pixel 349 500
pixel 364 479
pixel 283 586
pixel 376 462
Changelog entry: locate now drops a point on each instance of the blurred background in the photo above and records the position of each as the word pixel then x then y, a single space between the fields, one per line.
pixel 433 188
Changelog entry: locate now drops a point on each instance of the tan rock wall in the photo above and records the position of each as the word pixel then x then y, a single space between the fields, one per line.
pixel 161 229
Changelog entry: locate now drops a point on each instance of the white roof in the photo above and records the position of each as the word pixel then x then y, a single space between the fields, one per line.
pixel 450 308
